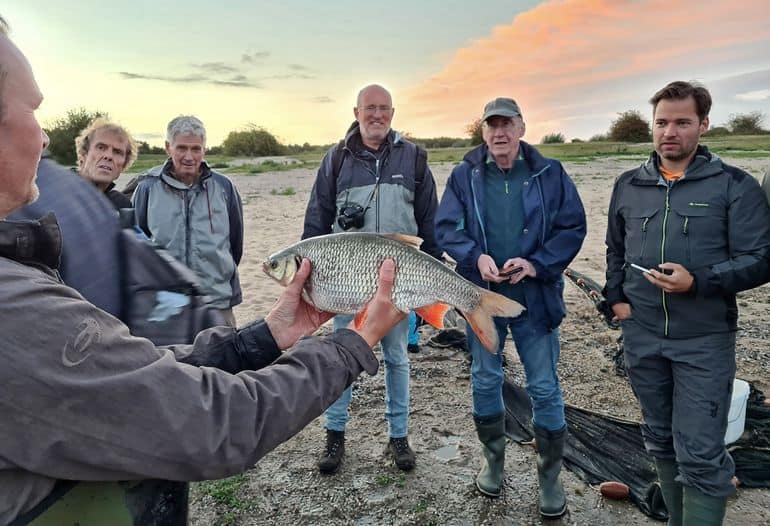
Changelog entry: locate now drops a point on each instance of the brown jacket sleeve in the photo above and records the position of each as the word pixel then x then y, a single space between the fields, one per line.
pixel 83 399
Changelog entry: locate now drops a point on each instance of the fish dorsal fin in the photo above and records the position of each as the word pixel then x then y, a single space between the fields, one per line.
pixel 413 241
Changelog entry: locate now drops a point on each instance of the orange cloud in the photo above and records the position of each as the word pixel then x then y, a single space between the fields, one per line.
pixel 572 60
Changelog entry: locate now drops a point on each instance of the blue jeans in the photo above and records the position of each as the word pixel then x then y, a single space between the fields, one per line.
pixel 539 353
pixel 414 336
pixel 396 383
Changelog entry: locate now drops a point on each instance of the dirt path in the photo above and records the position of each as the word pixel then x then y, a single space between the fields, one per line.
pixel 285 488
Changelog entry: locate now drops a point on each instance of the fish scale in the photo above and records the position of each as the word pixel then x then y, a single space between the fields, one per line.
pixel 345 269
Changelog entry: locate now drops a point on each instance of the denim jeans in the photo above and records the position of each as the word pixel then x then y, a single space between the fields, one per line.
pixel 396 383
pixel 539 353
pixel 414 336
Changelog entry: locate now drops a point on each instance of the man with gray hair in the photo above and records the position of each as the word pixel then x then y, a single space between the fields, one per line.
pixel 195 213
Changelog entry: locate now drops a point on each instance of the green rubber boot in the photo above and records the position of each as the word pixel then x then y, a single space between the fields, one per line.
pixel 671 489
pixel 550 451
pixel 491 433
pixel 700 509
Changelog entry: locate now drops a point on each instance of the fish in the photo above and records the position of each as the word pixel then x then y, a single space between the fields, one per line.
pixel 345 270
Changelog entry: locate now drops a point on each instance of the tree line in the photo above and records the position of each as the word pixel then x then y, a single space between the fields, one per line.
pixel 256 141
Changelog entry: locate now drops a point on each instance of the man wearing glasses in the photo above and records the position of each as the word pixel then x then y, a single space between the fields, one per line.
pixel 513 221
pixel 374 180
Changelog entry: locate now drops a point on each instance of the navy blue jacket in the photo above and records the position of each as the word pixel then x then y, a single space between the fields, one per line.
pixel 90 259
pixel 554 228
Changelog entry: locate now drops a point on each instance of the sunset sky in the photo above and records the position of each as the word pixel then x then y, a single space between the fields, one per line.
pixel 294 67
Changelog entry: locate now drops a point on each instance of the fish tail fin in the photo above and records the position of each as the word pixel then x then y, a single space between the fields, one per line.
pixel 480 320
pixel 360 318
pixel 433 314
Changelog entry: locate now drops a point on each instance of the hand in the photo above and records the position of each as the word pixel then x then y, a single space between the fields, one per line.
pixel 622 311
pixel 488 269
pixel 680 279
pixel 527 269
pixel 292 317
pixel 381 314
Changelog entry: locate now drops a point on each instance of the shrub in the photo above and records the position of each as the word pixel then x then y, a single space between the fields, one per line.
pixel 474 132
pixel 62 133
pixel 717 131
pixel 599 137
pixel 746 123
pixel 553 138
pixel 576 139
pixel 255 141
pixel 630 126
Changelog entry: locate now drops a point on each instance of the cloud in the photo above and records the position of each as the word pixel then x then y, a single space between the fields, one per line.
pixel 149 136
pixel 257 56
pixel 216 67
pixel 238 81
pixel 322 99
pixel 567 60
pixel 289 76
pixel 298 67
pixel 763 94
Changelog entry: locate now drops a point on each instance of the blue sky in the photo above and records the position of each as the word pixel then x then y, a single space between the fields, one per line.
pixel 295 67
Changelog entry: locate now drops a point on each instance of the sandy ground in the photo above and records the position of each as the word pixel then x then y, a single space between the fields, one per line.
pixel 285 487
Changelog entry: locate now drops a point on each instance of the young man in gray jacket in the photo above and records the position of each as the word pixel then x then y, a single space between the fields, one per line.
pixel 685 233
pixel 195 213
pixel 83 400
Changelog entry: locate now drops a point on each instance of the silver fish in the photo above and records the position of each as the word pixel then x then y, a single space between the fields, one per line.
pixel 345 272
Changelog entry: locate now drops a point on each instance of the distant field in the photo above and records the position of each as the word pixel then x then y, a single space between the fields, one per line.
pixel 734 146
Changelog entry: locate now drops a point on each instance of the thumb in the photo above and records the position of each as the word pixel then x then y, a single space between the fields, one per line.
pixel 387 278
pixel 303 272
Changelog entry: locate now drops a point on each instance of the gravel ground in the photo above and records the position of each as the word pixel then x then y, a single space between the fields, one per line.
pixel 285 488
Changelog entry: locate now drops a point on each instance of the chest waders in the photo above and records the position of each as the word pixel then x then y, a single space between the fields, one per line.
pixel 132 503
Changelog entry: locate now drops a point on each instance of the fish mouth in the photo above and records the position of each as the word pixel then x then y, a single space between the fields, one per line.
pixel 266 267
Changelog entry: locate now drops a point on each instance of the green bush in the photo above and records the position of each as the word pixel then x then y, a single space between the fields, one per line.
pixel 630 126
pixel 474 132
pixel 255 141
pixel 746 123
pixel 553 138
pixel 62 133
pixel 599 137
pixel 717 131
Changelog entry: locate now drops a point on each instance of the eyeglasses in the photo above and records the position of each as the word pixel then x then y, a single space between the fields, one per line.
pixel 373 109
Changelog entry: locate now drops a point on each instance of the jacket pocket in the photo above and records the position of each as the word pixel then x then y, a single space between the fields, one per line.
pixel 639 225
pixel 702 229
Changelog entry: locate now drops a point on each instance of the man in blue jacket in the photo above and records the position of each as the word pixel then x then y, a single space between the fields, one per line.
pixel 513 221
pixel 685 233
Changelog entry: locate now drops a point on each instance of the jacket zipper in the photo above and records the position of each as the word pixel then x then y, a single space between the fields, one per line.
pixel 377 197
pixel 478 216
pixel 187 227
pixel 662 259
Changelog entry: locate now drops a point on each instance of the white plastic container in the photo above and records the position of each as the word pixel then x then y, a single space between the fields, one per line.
pixel 736 418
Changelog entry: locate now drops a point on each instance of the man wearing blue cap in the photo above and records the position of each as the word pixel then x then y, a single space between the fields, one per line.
pixel 513 221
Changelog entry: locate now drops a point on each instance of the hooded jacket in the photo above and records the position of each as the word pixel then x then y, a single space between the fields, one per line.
pixel 554 228
pixel 385 185
pixel 84 400
pixel 200 225
pixel 714 221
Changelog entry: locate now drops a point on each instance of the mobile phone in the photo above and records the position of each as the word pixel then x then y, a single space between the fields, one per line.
pixel 511 272
pixel 641 269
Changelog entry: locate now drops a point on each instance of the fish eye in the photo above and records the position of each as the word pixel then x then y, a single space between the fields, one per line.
pixel 273 265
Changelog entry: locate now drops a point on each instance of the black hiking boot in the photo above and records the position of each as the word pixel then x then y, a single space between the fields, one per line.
pixel 413 348
pixel 403 455
pixel 332 456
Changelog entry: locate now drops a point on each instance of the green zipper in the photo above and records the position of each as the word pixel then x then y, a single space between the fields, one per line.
pixel 662 259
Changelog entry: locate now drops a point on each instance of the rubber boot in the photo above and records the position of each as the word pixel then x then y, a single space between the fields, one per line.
pixel 550 451
pixel 491 431
pixel 671 489
pixel 700 509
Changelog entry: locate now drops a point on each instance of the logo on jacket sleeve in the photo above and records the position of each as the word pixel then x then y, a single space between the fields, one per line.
pixel 77 350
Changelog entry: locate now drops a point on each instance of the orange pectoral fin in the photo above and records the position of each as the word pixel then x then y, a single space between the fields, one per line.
pixel 434 314
pixel 360 318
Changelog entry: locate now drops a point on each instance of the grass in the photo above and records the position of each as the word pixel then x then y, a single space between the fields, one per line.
pixel 387 479
pixel 230 496
pixel 288 191
pixel 740 146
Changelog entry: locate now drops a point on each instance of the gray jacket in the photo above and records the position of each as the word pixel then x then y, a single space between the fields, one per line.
pixel 201 226
pixel 715 222
pixel 385 184
pixel 82 399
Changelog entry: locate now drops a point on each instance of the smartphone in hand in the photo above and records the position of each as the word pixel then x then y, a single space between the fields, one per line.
pixel 640 268
pixel 510 272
